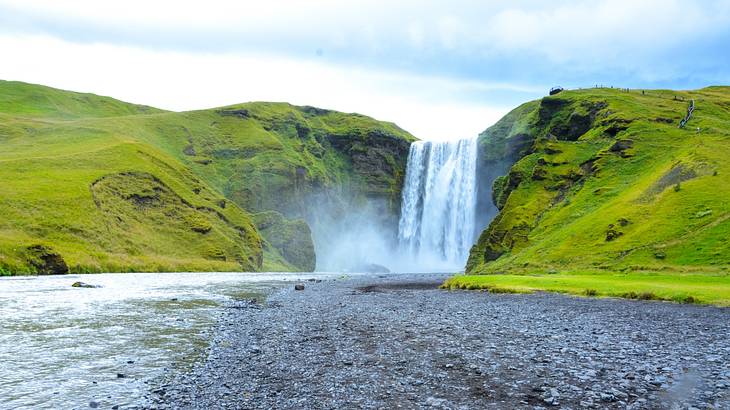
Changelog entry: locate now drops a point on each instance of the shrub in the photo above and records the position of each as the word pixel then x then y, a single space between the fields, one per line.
pixel 502 290
pixel 647 296
pixel 591 292
pixel 689 299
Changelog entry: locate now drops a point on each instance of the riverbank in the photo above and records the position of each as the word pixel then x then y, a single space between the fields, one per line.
pixel 398 341
pixel 712 289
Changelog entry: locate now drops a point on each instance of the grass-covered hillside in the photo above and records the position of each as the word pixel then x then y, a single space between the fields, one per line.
pixel 604 180
pixel 93 184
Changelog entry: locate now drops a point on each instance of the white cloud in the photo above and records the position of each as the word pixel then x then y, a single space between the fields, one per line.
pixel 427 65
pixel 429 107
pixel 579 29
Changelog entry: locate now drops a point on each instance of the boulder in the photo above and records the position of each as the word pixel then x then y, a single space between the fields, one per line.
pixel 84 285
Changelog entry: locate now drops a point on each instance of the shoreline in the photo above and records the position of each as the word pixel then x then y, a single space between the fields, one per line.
pixel 388 341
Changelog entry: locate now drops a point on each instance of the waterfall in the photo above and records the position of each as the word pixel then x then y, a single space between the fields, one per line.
pixel 436 225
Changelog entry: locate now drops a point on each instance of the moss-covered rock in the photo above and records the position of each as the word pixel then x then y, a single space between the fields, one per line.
pixel 290 239
pixel 45 260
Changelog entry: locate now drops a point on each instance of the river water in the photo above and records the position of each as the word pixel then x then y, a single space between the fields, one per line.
pixel 65 347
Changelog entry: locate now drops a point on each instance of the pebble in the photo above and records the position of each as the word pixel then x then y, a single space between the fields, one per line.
pixel 395 341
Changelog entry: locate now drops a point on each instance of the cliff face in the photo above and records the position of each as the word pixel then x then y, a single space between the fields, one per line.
pixel 605 179
pixel 102 185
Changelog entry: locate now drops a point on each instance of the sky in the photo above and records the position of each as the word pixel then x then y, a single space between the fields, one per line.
pixel 439 69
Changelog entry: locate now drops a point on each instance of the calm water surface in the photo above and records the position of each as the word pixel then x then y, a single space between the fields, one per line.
pixel 64 347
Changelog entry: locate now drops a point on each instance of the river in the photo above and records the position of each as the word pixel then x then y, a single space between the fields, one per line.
pixel 65 347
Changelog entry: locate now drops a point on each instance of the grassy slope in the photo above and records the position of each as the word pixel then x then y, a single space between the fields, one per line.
pixel 63 187
pixel 192 171
pixel 278 157
pixel 606 181
pixel 268 156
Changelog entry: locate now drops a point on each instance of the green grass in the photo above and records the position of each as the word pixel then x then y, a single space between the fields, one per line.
pixel 579 201
pixel 683 288
pixel 178 189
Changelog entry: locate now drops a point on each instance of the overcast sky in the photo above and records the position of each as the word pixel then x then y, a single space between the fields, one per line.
pixel 441 70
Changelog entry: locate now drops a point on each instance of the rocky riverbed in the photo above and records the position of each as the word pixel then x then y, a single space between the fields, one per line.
pixel 396 341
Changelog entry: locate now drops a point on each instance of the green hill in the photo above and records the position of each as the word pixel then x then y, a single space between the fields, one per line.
pixel 604 180
pixel 95 184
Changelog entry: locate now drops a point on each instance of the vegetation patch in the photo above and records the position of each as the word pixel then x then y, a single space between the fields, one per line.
pixel 596 182
pixel 289 240
pixel 700 288
pixel 45 260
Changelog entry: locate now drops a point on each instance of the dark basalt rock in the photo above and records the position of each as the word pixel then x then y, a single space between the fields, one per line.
pixel 46 261
pixel 578 122
pixel 240 113
pixel 539 173
pixel 84 285
pixel 299 287
pixel 589 167
pixel 314 110
pixel 619 147
pixel 189 150
pixel 612 233
pixel 616 125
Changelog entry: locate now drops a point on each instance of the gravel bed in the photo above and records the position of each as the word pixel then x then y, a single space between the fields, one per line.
pixel 396 341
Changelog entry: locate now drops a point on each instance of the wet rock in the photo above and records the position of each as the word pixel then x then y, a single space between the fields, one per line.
pixel 84 285
pixel 299 286
pixel 121 376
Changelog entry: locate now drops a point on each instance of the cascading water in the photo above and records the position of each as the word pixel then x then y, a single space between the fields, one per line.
pixel 436 226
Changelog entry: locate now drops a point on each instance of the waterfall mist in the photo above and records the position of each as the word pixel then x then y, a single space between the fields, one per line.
pixel 434 230
pixel 354 234
pixel 437 221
